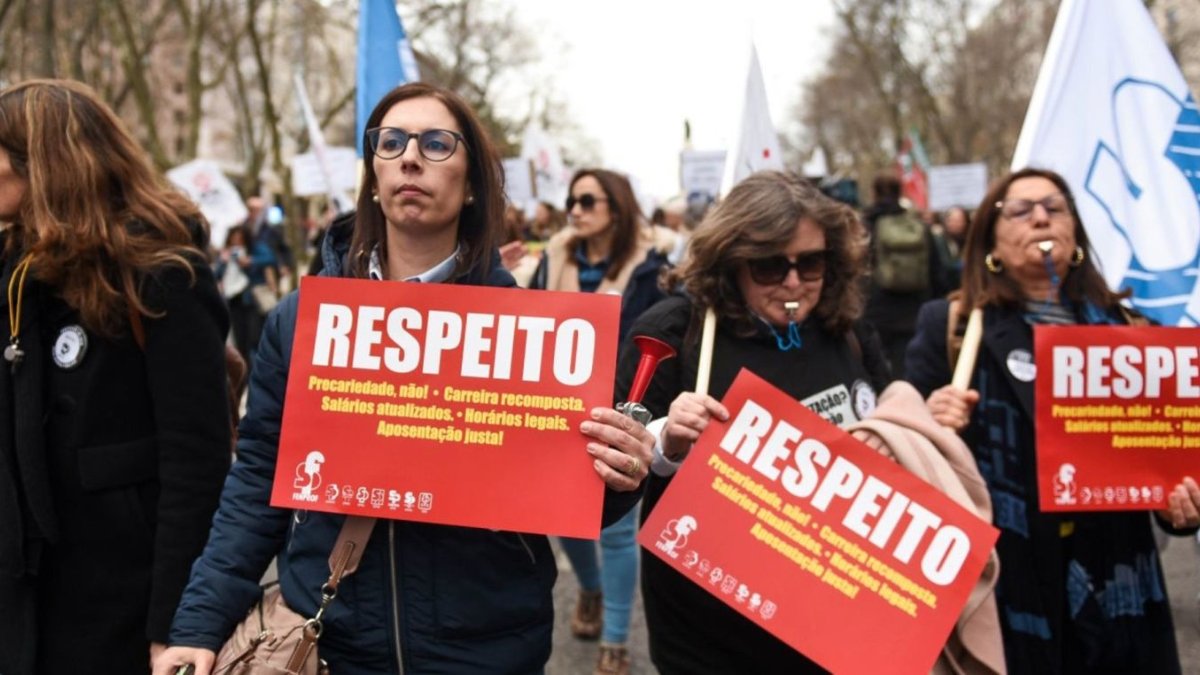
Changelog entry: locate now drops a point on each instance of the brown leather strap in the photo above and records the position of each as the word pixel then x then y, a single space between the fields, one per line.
pixel 308 642
pixel 349 547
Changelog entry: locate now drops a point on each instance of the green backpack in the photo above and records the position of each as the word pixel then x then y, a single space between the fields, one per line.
pixel 901 253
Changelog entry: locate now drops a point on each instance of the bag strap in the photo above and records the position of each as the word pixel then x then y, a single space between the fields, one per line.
pixel 349 547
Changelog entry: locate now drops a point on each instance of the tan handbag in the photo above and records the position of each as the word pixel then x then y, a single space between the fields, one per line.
pixel 273 639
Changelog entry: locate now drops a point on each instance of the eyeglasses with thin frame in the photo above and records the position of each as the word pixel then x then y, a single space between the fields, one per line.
pixel 771 271
pixel 586 201
pixel 1021 210
pixel 435 145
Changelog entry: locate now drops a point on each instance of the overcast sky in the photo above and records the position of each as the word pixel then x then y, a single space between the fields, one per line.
pixel 633 70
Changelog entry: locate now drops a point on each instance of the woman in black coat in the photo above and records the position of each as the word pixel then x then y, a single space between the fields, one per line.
pixel 781 266
pixel 114 420
pixel 1078 592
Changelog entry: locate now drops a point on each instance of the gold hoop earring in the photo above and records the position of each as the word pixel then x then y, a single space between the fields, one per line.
pixel 1077 257
pixel 994 266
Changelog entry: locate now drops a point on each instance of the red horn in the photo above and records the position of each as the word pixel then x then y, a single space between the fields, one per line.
pixel 653 350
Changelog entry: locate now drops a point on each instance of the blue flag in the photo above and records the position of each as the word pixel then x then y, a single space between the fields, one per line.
pixel 385 59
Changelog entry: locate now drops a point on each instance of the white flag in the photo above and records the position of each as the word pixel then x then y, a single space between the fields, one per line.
pixel 757 146
pixel 1112 113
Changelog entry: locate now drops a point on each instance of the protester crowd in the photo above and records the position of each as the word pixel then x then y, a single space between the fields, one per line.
pixel 128 544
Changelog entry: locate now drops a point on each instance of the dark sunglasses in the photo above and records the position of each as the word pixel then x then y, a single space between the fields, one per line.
pixel 435 145
pixel 809 266
pixel 586 201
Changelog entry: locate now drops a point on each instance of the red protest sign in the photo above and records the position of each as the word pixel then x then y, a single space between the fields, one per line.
pixel 447 404
pixel 1118 415
pixel 817 538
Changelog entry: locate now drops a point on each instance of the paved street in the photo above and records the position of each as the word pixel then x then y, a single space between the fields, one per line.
pixel 1181 565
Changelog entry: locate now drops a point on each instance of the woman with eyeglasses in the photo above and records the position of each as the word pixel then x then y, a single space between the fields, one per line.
pixel 781 266
pixel 426 598
pixel 1078 592
pixel 114 411
pixel 606 247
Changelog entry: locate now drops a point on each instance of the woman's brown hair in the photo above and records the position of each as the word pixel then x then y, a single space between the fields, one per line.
pixel 981 288
pixel 97 218
pixel 758 219
pixel 625 215
pixel 480 223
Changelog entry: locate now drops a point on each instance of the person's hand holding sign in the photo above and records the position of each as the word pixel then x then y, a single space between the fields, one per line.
pixel 623 451
pixel 1184 509
pixel 687 418
pixel 951 406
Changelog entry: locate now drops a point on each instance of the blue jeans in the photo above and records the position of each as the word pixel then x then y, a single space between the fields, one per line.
pixel 616 575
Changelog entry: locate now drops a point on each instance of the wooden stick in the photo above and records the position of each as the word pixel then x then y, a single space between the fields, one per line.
pixel 969 352
pixel 707 337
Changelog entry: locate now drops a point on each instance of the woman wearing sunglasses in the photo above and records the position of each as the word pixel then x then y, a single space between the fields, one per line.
pixel 426 598
pixel 781 265
pixel 1079 592
pixel 606 248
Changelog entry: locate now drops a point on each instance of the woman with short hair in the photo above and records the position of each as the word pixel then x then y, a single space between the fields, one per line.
pixel 781 267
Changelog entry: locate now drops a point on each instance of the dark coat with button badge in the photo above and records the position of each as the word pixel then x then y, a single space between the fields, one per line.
pixel 112 458
pixel 1078 592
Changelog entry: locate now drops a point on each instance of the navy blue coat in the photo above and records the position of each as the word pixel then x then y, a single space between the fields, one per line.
pixel 1078 592
pixel 426 598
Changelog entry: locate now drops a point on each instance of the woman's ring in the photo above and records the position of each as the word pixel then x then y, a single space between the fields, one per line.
pixel 634 466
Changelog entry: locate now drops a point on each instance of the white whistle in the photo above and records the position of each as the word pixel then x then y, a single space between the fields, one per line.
pixel 791 307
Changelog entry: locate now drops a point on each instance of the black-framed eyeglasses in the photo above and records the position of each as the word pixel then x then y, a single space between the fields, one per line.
pixel 586 201
pixel 1021 210
pixel 435 145
pixel 809 266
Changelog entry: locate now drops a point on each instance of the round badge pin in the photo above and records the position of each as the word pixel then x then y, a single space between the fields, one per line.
pixel 1020 364
pixel 863 398
pixel 70 347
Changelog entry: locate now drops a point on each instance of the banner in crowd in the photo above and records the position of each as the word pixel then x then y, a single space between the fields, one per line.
pixel 385 59
pixel 913 166
pixel 1118 415
pixel 1112 113
pixel 311 176
pixel 551 177
pixel 447 404
pixel 219 201
pixel 700 175
pixel 953 185
pixel 817 538
pixel 757 145
pixel 518 181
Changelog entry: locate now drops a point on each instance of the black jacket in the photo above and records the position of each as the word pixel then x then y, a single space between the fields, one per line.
pixel 110 470
pixel 691 631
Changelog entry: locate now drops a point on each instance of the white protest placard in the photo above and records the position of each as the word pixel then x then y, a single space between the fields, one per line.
pixel 518 181
pixel 202 181
pixel 957 185
pixel 309 180
pixel 700 173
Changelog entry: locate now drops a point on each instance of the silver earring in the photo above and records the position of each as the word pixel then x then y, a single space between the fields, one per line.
pixel 375 197
pixel 469 200
pixel 1077 257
